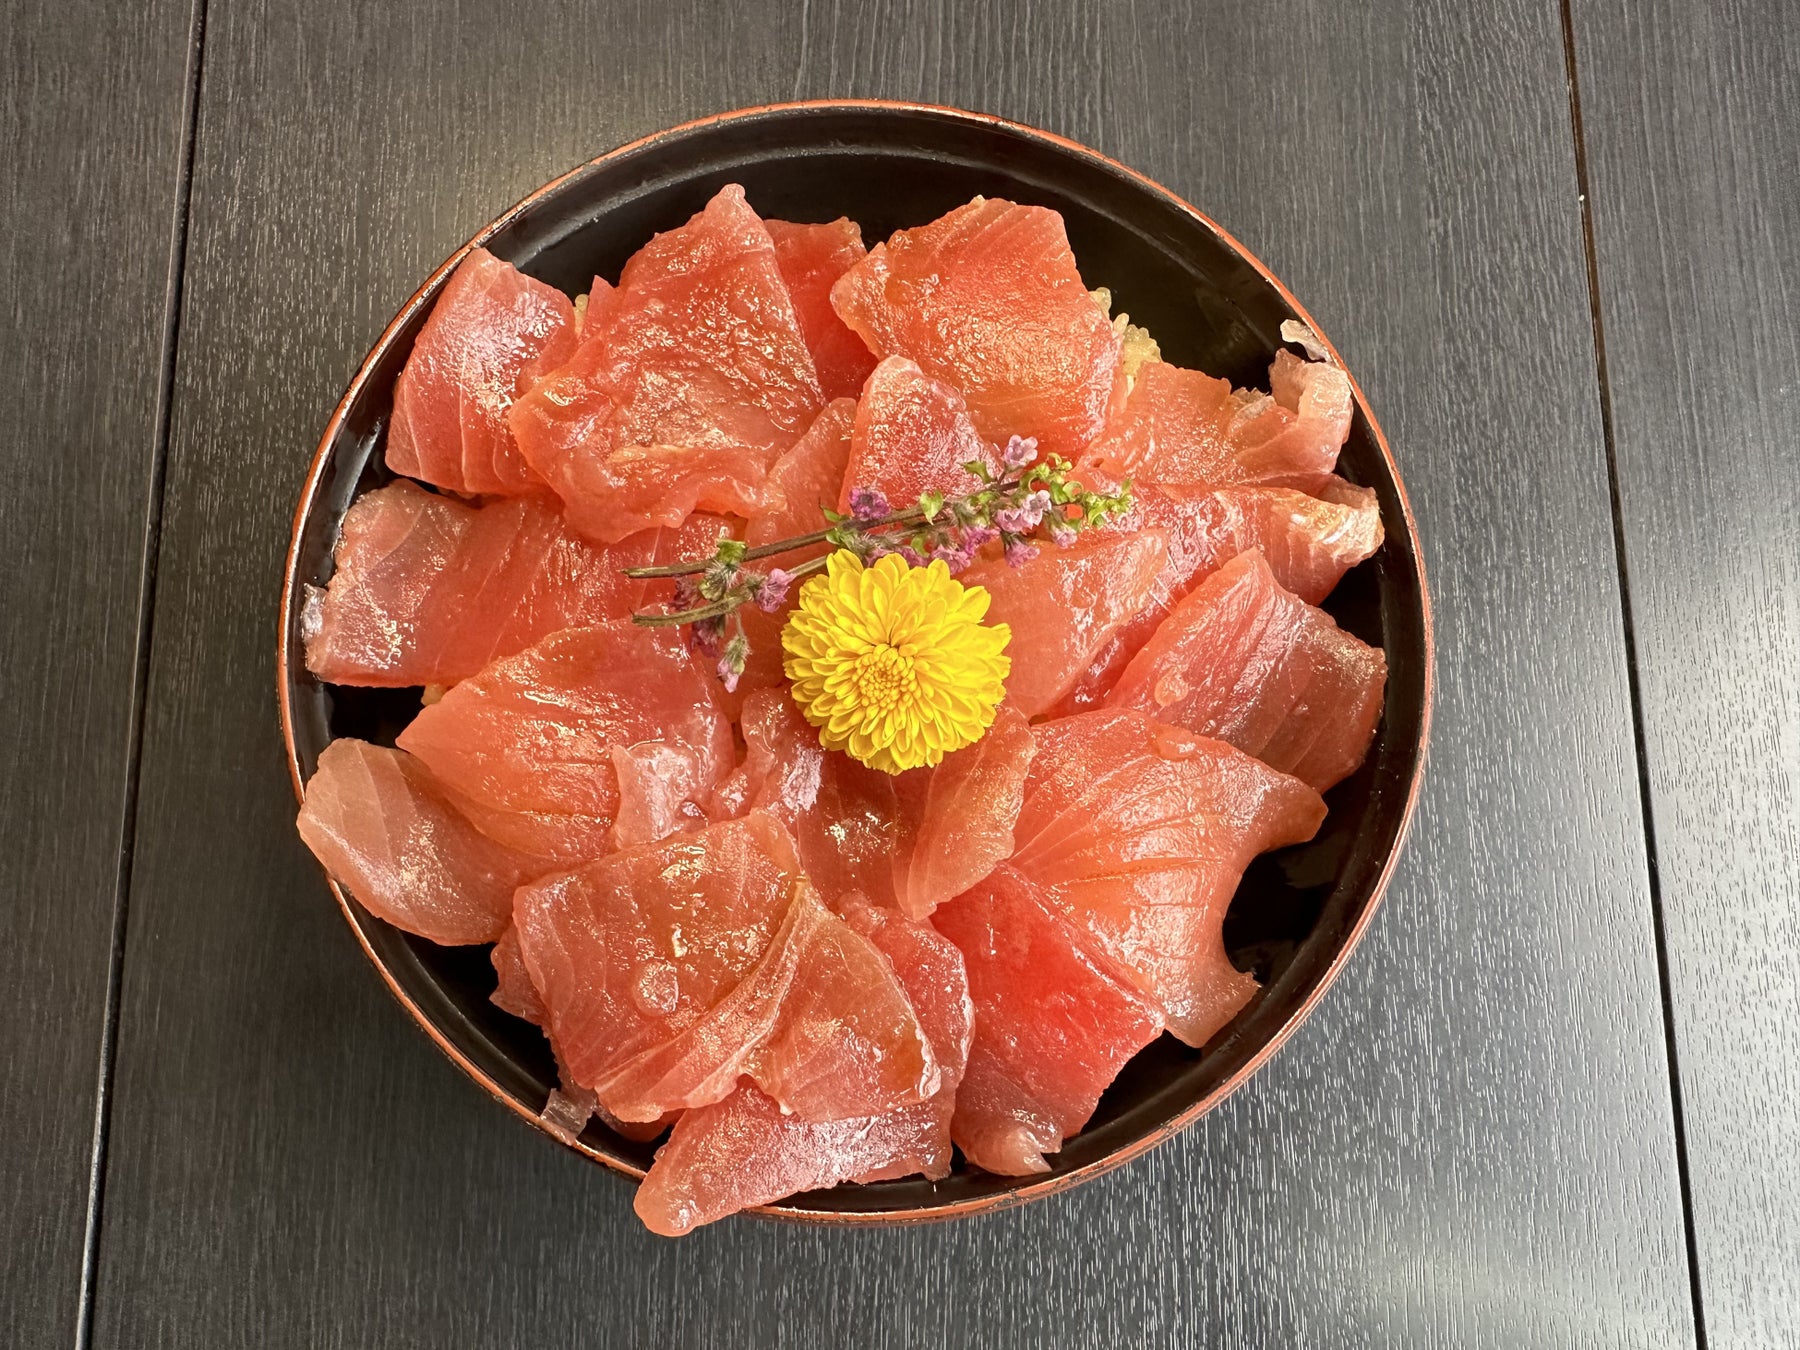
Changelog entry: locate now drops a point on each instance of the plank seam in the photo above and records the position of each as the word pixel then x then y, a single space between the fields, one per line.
pixel 146 613
pixel 1639 746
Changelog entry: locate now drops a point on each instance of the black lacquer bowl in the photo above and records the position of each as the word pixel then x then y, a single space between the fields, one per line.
pixel 1211 306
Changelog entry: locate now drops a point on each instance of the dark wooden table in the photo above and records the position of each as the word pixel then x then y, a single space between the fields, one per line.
pixel 1556 1099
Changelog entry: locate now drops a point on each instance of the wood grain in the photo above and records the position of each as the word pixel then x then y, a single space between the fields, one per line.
pixel 88 195
pixel 1692 127
pixel 1470 1145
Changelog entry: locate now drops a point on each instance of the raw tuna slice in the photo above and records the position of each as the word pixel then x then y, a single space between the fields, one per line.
pixel 964 811
pixel 631 951
pixel 808 478
pixel 382 826
pixel 1053 1026
pixel 848 1041
pixel 812 258
pixel 912 435
pixel 1065 604
pixel 513 990
pixel 1248 662
pixel 1310 542
pixel 746 1151
pixel 930 969
pixel 526 748
pixel 988 298
pixel 641 487
pixel 821 1025
pixel 844 815
pixel 492 332
pixel 428 590
pixel 1302 425
pixel 699 347
pixel 571 1105
pixel 1140 832
pixel 1185 427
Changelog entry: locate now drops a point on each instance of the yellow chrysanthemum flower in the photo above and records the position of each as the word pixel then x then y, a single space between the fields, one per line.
pixel 893 664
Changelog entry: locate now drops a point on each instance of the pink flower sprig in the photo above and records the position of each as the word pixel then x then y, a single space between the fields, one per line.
pixel 1026 499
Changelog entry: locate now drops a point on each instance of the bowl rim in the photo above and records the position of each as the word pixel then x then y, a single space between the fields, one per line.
pixel 1028 1189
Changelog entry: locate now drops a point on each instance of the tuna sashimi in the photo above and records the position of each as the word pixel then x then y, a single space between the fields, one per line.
pixel 526 747
pixel 1183 426
pixel 641 487
pixel 848 1041
pixel 1053 1026
pixel 1304 422
pixel 699 347
pixel 746 1151
pixel 821 1025
pixel 513 990
pixel 428 589
pixel 988 298
pixel 812 258
pixel 1246 661
pixel 1065 604
pixel 1139 832
pixel 383 826
pixel 632 950
pixel 515 993
pixel 1310 542
pixel 912 435
pixel 808 479
pixel 930 969
pixel 492 332
pixel 964 811
pixel 844 815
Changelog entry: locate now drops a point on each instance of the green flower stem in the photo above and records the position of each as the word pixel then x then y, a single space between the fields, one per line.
pixel 718 609
pixel 912 515
pixel 732 600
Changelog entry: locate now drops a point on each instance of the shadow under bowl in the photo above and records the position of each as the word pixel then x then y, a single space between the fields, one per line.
pixel 1298 912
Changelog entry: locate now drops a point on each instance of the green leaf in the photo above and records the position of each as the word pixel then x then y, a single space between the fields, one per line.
pixel 930 503
pixel 731 551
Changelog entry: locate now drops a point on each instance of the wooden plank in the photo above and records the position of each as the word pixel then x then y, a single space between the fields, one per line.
pixel 1692 124
pixel 1469 1145
pixel 93 107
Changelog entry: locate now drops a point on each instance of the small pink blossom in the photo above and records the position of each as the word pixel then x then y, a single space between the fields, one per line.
pixel 773 592
pixel 868 504
pixel 1018 552
pixel 1019 452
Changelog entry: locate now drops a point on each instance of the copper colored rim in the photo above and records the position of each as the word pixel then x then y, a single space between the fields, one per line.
pixel 1028 1190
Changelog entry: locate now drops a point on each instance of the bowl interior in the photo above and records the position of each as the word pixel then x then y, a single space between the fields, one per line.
pixel 1209 306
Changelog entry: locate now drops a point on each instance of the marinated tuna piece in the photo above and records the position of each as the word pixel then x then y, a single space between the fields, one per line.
pixel 961 815
pixel 1065 604
pixel 1053 1026
pixel 812 258
pixel 988 299
pixel 1185 427
pixel 385 828
pixel 492 332
pixel 428 590
pixel 630 951
pixel 698 348
pixel 912 435
pixel 746 1151
pixel 1309 543
pixel 1246 661
pixel 1139 832
pixel 525 748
